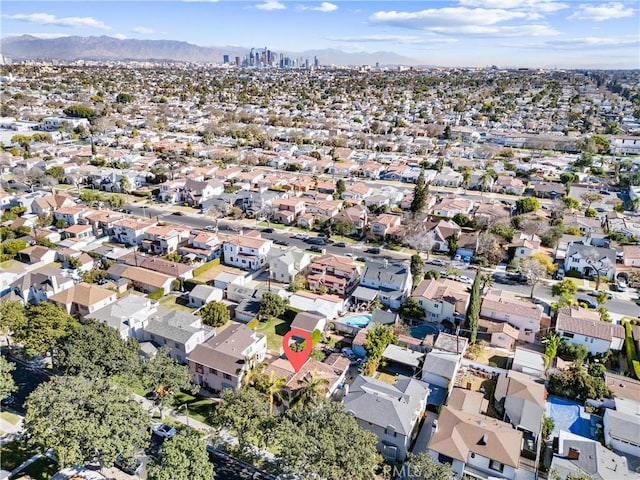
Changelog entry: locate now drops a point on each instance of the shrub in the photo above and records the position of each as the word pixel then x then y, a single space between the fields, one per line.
pixel 141 193
pixel 156 295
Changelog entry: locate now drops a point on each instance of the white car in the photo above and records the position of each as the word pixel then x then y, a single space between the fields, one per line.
pixel 300 236
pixel 164 430
pixel 464 279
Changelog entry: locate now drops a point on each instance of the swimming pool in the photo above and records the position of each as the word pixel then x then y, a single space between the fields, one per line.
pixel 361 320
pixel 568 415
pixel 421 331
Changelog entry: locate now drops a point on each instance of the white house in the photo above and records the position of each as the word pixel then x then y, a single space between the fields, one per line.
pixel 248 252
pixel 622 427
pixel 203 294
pixel 389 282
pixel 130 232
pixel 580 326
pixel 588 260
pixel 285 264
pixel 504 307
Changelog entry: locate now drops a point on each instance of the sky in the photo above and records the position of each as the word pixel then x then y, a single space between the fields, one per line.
pixel 469 33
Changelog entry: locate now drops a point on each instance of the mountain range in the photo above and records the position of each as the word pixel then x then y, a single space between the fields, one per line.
pixel 70 48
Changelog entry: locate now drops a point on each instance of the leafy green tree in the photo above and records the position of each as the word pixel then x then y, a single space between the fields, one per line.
pixel 410 309
pixel 342 226
pixel 323 441
pixel 378 337
pixel 526 205
pixel 125 98
pixel 81 418
pixel 273 388
pixel 12 314
pixel 423 467
pixel 551 343
pixel 547 427
pixel 578 384
pixel 340 187
pixel 416 267
pixel 506 232
pixel 311 387
pixel 452 243
pixel 79 111
pixel 115 200
pixel 472 317
pixel 419 194
pixel 271 305
pixel 165 376
pixel 7 384
pixel 10 249
pixel 94 276
pixel 185 456
pixel 215 314
pixel 45 327
pixel 94 349
pixel 571 202
pixel 247 413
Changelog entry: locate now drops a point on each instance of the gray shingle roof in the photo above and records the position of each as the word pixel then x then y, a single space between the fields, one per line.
pixel 173 325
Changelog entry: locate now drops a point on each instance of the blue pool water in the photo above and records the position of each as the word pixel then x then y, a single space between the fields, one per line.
pixel 567 416
pixel 361 320
pixel 421 331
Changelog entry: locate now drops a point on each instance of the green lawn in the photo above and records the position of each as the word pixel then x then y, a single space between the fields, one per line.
pixel 274 329
pixel 199 407
pixel 171 301
pixel 206 267
pixel 276 226
pixel 16 452
pixel 387 378
pixel 12 418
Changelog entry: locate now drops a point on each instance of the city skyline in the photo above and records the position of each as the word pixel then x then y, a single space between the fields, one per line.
pixel 472 33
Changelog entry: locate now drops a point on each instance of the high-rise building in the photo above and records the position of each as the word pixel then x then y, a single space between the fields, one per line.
pixel 225 59
pixel 237 61
pixel 316 62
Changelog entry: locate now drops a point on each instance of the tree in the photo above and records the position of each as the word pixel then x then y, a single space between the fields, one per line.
pixel 185 456
pixel 551 343
pixel 546 261
pixel 417 266
pixel 172 160
pixel 593 258
pixel 423 467
pixel 342 226
pixel 411 310
pixel 45 327
pixel 378 338
pixel 215 314
pixel 7 384
pixel 485 181
pixel 323 441
pixel 419 194
pixel 534 270
pixel 472 317
pixel 452 243
pixel 165 376
pixel 312 387
pixel 125 184
pixel 247 414
pixel 340 187
pixel 12 314
pixel 33 177
pixel 274 388
pixel 590 197
pixel 79 111
pixel 94 349
pixel 299 283
pixel 565 287
pixel 526 205
pixel 490 248
pixel 547 427
pixel 421 240
pixel 81 418
pixel 271 305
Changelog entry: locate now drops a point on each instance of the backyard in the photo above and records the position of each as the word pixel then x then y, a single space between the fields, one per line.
pixel 175 302
pixel 199 407
pixel 274 329
pixel 16 452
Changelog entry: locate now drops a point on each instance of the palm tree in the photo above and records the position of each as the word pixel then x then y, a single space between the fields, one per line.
pixel 313 386
pixel 466 177
pixel 275 389
pixel 551 343
pixel 485 181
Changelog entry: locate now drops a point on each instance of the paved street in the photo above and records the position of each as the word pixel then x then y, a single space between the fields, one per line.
pixel 27 378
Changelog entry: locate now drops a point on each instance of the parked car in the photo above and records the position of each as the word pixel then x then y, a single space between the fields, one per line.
pixel 317 249
pixel 437 262
pixel 588 302
pixel 268 230
pixel 129 466
pixel 210 228
pixel 164 430
pixel 373 250
pixel 180 214
pixel 341 244
pixel 316 241
pixel 464 279
pixel 300 236
pixel 347 352
pixel 621 286
pixel 595 293
pixel 281 242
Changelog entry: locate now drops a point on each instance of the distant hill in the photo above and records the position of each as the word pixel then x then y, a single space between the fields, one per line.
pixel 27 47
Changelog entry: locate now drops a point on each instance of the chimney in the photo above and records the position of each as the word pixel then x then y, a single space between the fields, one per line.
pixel 574 453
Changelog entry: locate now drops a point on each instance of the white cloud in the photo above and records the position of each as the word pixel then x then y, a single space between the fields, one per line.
pixel 449 16
pixel 323 7
pixel 599 13
pixel 39 35
pixel 120 36
pixel 48 19
pixel 271 5
pixel 143 30
pixel 403 39
pixel 583 43
pixel 497 30
pixel 546 6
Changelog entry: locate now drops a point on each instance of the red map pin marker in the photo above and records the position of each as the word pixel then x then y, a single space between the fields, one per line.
pixel 297 359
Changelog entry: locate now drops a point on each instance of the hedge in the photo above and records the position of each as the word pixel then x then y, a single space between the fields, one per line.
pixel 141 193
pixel 207 266
pixel 630 352
pixel 191 284
pixel 156 295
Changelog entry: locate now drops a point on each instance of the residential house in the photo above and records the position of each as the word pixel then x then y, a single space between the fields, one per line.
pixel 472 442
pixel 36 255
pixel 203 294
pixel 448 177
pixel 522 400
pixel 588 260
pixel 102 221
pixel 71 215
pixel 327 305
pixel 441 368
pixel 161 240
pixel 197 193
pixel 492 213
pixel 309 322
pixel 384 224
pixel 580 326
pixel 83 299
pixel 622 427
pixel 529 362
pixel 578 455
pixel 441 299
pixel 201 246
pixel 178 331
pixel 449 207
pixel 50 203
pixel 158 264
pixel 442 230
pixel 130 231
pixel 142 279
pixel 391 412
pixel 508 184
pixel 247 251
pixel 389 282
pixel 38 285
pixel 223 360
pixel 288 210
pixel 549 190
pixel 357 214
pixel 631 255
pixel 502 306
pixel 79 232
pixel 524 245
pixel 128 315
pixel 586 225
pixel 286 264
pixel 334 274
